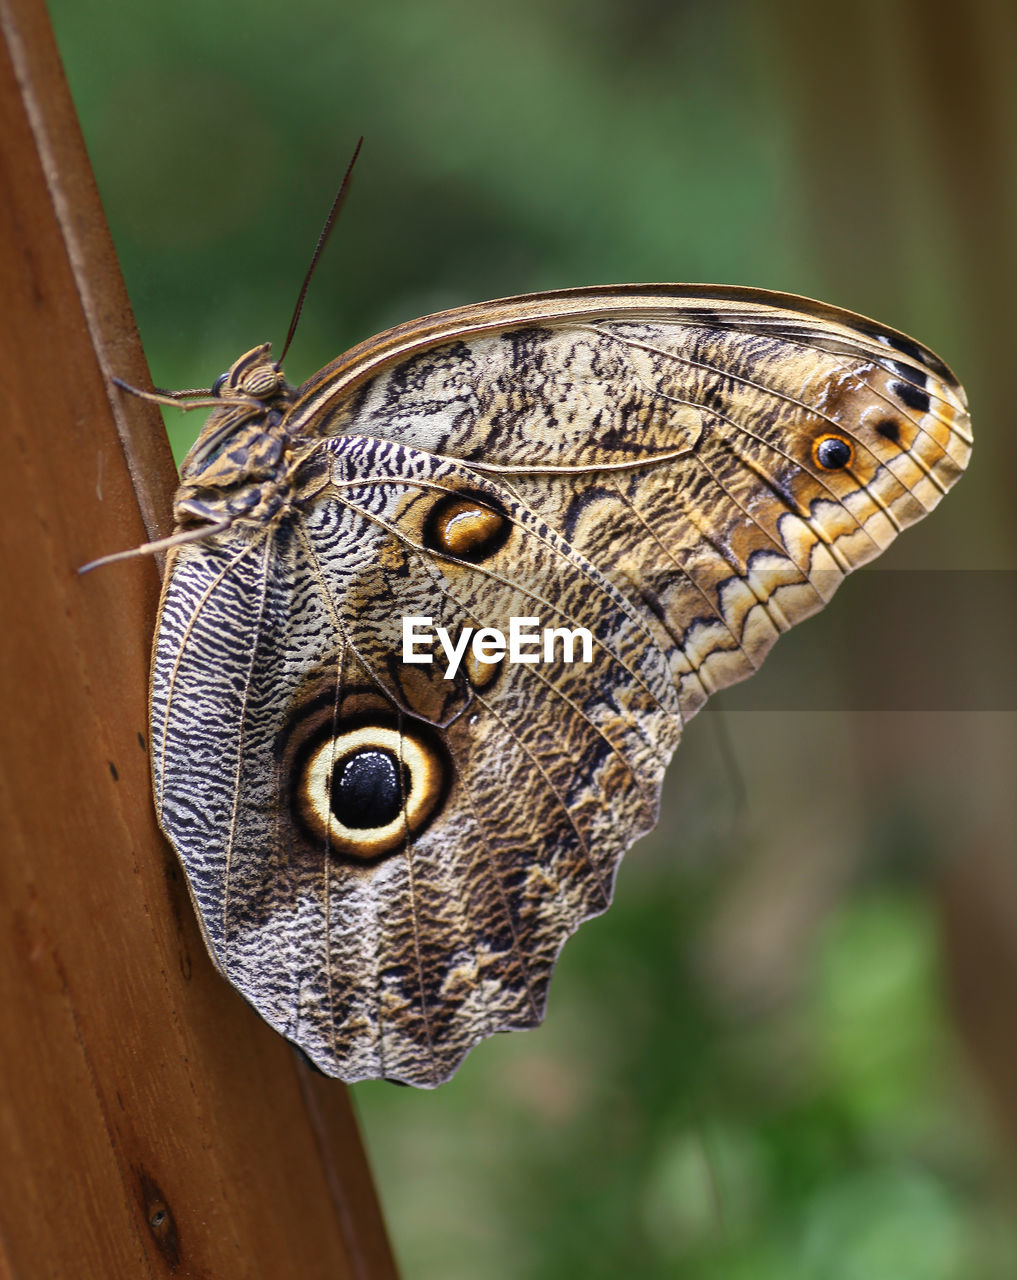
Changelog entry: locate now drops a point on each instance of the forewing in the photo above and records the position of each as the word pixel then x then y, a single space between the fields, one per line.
pixel 740 532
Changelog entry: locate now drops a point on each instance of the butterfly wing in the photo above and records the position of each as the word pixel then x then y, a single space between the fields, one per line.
pixel 746 531
pixel 387 861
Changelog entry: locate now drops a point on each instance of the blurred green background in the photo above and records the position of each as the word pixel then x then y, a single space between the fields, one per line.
pixel 786 1051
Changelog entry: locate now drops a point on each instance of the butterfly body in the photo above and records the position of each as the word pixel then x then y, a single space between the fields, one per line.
pixel 387 862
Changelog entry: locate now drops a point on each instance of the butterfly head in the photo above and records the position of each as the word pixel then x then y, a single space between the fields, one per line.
pixel 254 377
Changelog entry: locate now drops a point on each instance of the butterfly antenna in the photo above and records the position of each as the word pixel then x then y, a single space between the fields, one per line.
pixel 326 231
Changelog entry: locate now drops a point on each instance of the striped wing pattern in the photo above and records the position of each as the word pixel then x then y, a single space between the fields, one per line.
pixel 386 863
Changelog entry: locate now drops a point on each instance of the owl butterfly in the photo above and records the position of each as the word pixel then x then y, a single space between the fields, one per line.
pixel 386 861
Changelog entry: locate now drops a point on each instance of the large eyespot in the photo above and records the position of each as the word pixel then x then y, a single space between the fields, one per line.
pixel 467 526
pixel 832 453
pixel 363 787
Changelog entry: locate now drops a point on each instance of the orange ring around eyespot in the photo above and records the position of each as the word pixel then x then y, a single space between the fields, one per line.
pixel 833 435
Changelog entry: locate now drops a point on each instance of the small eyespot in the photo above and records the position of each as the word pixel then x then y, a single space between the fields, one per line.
pixel 219 383
pixel 466 526
pixel 832 453
pixel 889 429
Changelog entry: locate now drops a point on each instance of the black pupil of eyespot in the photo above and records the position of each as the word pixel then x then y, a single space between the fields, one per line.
pixel 833 453
pixel 368 789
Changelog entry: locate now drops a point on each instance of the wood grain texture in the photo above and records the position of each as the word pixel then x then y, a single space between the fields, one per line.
pixel 150 1123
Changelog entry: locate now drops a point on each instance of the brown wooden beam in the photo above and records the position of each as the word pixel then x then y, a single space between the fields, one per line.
pixel 150 1123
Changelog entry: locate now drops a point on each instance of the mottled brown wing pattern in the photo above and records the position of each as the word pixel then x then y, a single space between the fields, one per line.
pixel 387 862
